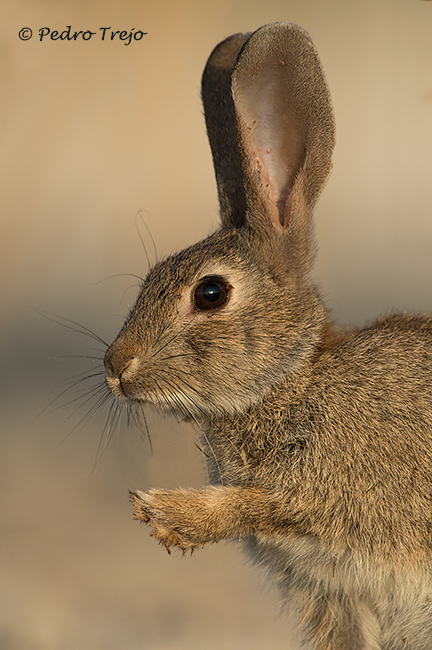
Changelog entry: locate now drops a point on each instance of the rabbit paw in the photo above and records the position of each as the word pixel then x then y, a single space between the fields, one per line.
pixel 171 515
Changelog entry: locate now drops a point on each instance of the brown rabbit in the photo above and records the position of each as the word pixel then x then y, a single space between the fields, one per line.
pixel 319 442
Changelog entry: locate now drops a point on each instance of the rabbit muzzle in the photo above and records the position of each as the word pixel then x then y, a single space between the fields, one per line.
pixel 121 364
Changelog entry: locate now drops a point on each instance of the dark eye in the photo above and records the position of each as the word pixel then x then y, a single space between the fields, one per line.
pixel 211 294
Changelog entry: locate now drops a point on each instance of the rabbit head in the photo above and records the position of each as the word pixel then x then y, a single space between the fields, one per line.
pixel 218 324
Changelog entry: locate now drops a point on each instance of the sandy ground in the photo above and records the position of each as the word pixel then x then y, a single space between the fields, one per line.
pixel 92 132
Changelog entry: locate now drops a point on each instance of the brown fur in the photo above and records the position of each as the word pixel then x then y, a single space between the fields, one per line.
pixel 318 441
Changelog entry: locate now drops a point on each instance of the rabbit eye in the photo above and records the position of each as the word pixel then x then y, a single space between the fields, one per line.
pixel 211 294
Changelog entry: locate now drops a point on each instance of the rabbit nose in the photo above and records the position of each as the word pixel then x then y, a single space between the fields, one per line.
pixel 119 357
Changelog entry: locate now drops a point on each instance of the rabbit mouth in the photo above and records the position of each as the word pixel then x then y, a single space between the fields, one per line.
pixel 118 389
pixel 168 397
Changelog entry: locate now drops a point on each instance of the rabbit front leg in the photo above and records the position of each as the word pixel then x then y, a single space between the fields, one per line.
pixel 189 519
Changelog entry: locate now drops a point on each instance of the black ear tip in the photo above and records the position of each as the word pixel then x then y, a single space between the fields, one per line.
pixel 222 59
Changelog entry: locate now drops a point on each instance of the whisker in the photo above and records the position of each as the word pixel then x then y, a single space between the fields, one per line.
pixel 176 356
pixel 139 214
pixel 173 337
pixel 208 417
pixel 138 416
pixel 133 286
pixel 82 376
pixel 68 323
pixel 72 384
pixel 213 455
pixel 112 421
pixel 78 356
pixel 90 393
pixel 120 275
pixel 90 413
pixel 124 275
pixel 201 450
pixel 86 397
pixel 192 416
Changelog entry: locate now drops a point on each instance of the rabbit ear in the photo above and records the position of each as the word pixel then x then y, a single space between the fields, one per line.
pixel 285 121
pixel 274 154
pixel 222 129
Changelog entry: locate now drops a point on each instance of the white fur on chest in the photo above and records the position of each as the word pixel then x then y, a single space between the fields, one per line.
pixel 304 573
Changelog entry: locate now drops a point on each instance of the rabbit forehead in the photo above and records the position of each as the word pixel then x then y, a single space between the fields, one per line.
pixel 232 273
pixel 223 255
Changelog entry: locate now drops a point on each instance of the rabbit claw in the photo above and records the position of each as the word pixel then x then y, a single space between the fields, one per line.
pixel 149 508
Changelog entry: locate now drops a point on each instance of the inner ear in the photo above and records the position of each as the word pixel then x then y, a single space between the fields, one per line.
pixel 275 135
pixel 285 124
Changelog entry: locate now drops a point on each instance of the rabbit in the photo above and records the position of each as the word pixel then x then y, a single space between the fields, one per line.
pixel 318 440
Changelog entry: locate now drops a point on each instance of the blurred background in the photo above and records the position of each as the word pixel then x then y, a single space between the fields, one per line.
pixel 94 133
